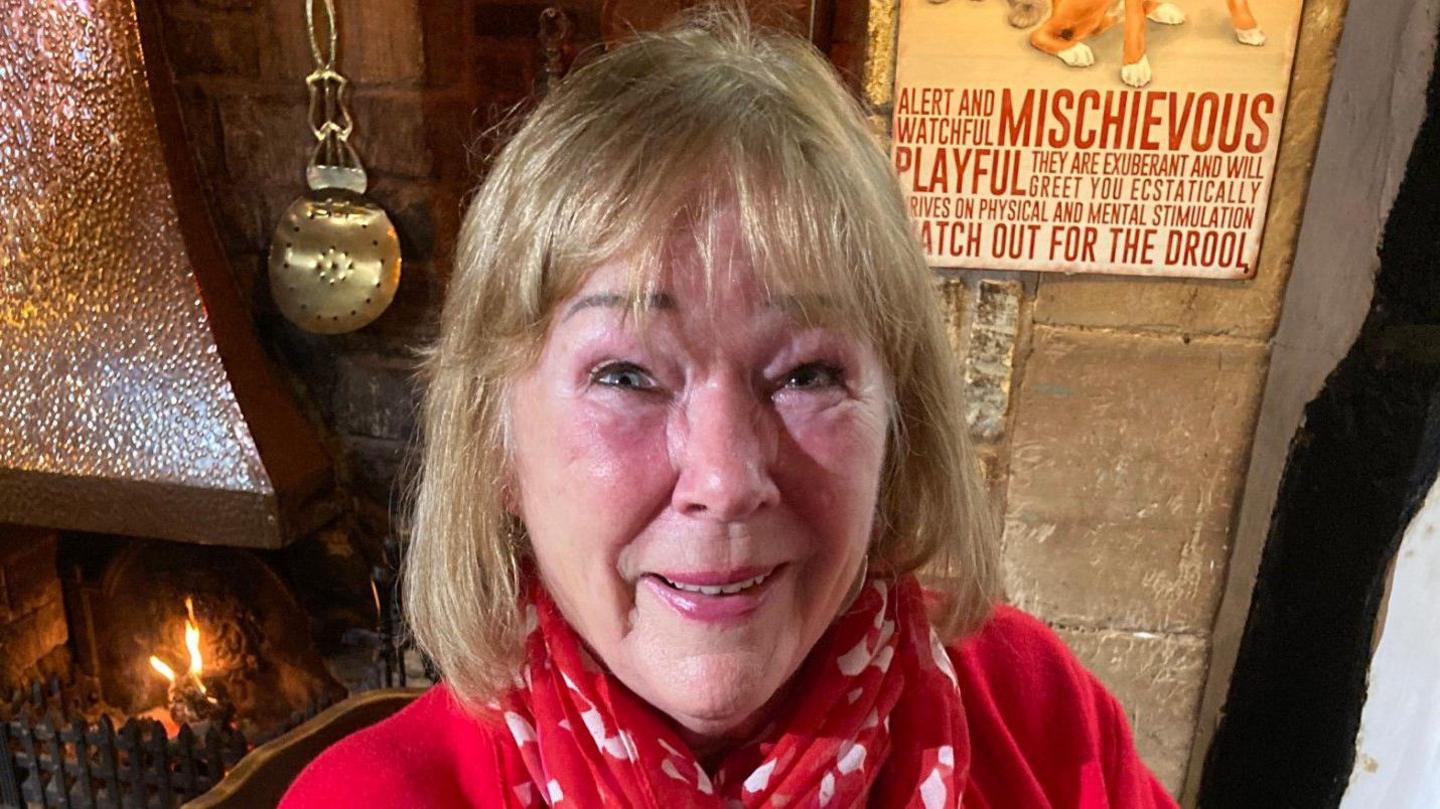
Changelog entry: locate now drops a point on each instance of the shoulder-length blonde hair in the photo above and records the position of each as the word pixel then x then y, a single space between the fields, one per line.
pixel 658 137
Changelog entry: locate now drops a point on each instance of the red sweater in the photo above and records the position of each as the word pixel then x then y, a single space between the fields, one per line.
pixel 1043 733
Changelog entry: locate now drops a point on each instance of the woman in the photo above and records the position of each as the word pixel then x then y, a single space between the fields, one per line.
pixel 691 431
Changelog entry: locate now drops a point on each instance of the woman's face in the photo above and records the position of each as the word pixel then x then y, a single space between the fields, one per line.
pixel 731 448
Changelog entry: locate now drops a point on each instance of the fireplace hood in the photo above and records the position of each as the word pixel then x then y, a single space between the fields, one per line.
pixel 134 396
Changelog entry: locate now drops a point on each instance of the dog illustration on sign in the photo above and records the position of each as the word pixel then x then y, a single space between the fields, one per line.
pixel 1071 22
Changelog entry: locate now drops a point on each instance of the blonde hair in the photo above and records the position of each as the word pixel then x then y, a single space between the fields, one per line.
pixel 651 142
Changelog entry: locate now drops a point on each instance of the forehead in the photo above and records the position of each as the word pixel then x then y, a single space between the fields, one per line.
pixel 679 277
pixel 690 292
pixel 710 266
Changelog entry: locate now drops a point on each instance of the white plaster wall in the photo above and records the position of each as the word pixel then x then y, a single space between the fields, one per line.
pixel 1374 109
pixel 1397 753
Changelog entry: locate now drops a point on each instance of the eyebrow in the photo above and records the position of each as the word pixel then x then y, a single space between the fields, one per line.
pixel 791 304
pixel 800 304
pixel 655 300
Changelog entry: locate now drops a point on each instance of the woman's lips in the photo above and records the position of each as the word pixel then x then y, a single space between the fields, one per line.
pixel 725 596
pixel 717 578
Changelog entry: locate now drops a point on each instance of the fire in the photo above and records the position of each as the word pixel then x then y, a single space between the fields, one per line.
pixel 161 666
pixel 186 698
pixel 192 645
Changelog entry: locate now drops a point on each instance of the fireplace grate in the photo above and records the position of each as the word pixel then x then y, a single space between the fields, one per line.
pixel 54 762
pixel 99 767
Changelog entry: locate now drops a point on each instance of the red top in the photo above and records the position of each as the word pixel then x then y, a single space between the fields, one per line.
pixel 1043 731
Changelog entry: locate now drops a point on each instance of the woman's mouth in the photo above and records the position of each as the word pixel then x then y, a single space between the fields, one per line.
pixel 719 589
pixel 713 597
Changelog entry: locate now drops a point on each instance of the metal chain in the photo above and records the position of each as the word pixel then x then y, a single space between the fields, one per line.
pixel 329 110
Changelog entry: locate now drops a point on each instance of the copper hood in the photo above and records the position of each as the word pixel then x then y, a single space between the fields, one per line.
pixel 134 396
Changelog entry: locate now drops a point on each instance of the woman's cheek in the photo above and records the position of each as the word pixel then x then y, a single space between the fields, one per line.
pixel 839 437
pixel 616 445
pixel 830 474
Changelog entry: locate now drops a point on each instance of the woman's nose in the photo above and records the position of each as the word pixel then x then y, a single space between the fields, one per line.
pixel 725 455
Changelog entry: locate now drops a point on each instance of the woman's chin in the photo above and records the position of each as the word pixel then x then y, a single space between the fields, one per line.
pixel 719 719
pixel 714 697
pixel 716 679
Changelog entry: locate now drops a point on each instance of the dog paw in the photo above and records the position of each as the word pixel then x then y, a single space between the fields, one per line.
pixel 1167 14
pixel 1250 36
pixel 1077 55
pixel 1138 74
pixel 1023 13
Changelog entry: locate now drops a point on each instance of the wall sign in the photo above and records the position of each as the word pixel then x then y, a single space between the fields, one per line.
pixel 1093 136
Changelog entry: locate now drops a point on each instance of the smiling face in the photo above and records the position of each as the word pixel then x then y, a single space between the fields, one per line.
pixel 699 496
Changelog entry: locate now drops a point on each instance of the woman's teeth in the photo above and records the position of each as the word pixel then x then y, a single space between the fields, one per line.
pixel 725 590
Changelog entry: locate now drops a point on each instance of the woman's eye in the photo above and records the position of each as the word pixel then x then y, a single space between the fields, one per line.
pixel 624 375
pixel 815 376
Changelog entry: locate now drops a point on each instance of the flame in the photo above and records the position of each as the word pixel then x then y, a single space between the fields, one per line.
pixel 162 667
pixel 192 645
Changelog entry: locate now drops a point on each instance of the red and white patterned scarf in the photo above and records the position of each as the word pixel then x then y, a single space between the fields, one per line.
pixel 876 718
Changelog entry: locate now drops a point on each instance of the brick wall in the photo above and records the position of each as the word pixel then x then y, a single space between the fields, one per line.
pixel 32 613
pixel 430 80
pixel 416 71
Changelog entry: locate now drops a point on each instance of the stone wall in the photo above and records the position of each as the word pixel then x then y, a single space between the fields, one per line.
pixel 1114 417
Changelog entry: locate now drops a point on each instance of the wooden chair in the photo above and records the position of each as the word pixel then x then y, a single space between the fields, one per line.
pixel 262 777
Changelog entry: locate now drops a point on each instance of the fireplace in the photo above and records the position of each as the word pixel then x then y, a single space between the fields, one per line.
pixel 204 633
pixel 137 672
pixel 181 575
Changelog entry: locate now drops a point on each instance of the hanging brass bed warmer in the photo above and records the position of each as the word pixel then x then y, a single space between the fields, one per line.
pixel 335 256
